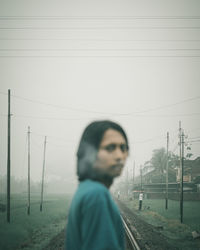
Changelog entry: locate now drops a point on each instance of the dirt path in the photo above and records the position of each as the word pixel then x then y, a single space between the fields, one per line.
pixel 50 235
pixel 57 243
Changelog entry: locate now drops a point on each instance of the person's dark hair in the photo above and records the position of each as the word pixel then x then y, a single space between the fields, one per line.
pixel 89 146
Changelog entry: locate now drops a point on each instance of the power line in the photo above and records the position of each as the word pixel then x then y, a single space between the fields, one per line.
pixel 42 135
pixel 31 49
pixel 144 141
pixel 192 130
pixel 160 137
pixel 101 28
pixel 193 141
pixel 169 105
pixel 60 146
pixel 87 118
pixel 3 93
pixel 170 115
pixel 99 40
pixel 53 137
pixel 96 17
pixel 52 118
pixel 100 56
pixel 63 107
pixel 65 142
pixel 92 111
pixel 151 139
pixel 194 138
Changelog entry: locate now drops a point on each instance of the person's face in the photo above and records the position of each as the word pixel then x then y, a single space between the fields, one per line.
pixel 112 153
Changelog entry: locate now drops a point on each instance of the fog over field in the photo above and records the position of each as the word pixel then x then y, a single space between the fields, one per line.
pixel 68 63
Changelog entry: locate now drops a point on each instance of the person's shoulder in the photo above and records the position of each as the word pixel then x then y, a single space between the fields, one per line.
pixel 91 186
pixel 93 190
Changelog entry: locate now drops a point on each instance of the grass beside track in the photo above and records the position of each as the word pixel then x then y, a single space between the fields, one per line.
pixel 168 220
pixel 33 231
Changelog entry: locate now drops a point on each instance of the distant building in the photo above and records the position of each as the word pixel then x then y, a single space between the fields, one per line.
pixel 191 171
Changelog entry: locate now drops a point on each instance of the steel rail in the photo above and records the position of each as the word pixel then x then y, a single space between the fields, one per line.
pixel 129 234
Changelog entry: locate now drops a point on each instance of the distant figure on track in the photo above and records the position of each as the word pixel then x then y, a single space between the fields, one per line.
pixel 94 221
pixel 118 195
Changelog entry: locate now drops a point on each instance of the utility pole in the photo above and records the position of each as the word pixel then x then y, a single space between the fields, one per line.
pixel 42 189
pixel 8 161
pixel 28 209
pixel 181 143
pixel 166 198
pixel 182 173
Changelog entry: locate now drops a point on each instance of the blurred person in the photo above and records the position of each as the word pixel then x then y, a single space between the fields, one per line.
pixel 94 221
pixel 118 194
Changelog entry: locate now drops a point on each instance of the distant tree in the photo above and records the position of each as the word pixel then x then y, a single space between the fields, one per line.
pixel 158 161
pixel 174 160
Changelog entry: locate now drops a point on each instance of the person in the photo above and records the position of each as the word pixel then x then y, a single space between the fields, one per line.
pixel 94 221
pixel 118 194
pixel 140 200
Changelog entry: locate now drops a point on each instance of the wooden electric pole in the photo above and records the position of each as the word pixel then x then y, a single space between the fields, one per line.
pixel 182 173
pixel 166 198
pixel 181 142
pixel 42 188
pixel 8 161
pixel 28 208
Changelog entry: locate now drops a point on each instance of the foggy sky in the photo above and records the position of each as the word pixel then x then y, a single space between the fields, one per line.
pixel 66 72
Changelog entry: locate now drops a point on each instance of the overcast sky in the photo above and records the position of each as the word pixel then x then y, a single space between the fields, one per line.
pixel 68 63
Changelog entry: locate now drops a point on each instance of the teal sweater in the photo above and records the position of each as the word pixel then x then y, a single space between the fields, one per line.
pixel 94 221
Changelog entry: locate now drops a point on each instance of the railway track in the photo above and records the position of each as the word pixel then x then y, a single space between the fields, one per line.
pixel 132 243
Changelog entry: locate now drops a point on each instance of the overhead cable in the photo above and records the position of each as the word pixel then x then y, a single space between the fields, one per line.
pixel 32 17
pixel 98 112
pixel 104 28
